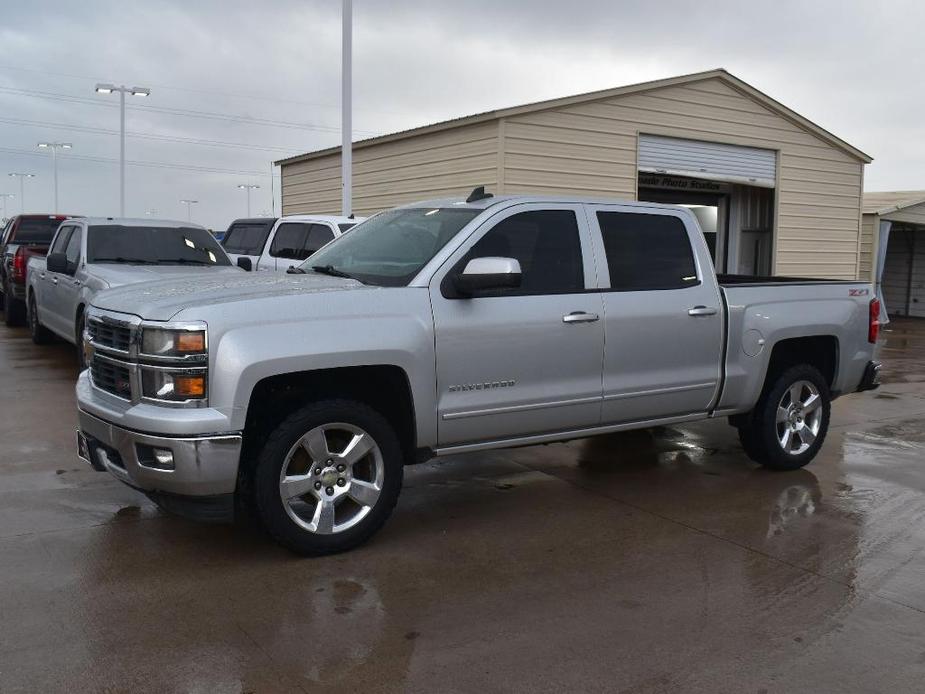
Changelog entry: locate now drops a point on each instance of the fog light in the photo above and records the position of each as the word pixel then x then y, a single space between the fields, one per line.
pixel 157 458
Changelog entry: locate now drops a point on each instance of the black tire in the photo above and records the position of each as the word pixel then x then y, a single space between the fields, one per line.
pixel 14 311
pixel 271 509
pixel 40 334
pixel 760 432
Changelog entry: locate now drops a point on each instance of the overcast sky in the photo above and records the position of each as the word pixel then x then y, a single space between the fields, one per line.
pixel 236 85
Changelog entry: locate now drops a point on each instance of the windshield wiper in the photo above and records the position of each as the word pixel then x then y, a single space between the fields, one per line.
pixel 122 259
pixel 334 272
pixel 182 261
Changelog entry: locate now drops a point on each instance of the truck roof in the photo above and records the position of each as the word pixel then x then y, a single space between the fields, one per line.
pixel 135 222
pixel 336 219
pixel 485 203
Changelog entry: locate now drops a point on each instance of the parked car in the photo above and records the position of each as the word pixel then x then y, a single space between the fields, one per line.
pixel 286 241
pixel 451 326
pixel 90 255
pixel 24 236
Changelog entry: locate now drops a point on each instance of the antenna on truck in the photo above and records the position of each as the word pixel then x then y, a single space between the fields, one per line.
pixel 478 193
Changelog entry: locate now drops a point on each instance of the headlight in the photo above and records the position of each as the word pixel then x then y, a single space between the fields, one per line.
pixel 174 385
pixel 158 342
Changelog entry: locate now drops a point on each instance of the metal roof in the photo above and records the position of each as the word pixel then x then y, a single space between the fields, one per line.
pixel 719 74
pixel 885 202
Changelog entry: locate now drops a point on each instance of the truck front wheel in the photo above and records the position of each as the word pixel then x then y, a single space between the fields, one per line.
pixel 789 424
pixel 328 477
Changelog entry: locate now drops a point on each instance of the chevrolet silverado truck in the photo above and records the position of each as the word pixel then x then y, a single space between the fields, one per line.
pixel 452 326
pixel 89 255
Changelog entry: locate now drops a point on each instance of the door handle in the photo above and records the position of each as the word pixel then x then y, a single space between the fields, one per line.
pixel 76 283
pixel 580 317
pixel 54 280
pixel 701 311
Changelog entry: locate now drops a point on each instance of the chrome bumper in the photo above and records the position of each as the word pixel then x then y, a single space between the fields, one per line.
pixel 871 378
pixel 201 465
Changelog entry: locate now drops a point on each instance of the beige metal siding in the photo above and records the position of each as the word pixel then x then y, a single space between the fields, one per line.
pixel 869 233
pixel 393 173
pixel 590 149
pixel 911 215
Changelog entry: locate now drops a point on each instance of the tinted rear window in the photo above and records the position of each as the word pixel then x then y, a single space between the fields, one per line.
pixel 154 246
pixel 36 230
pixel 246 239
pixel 647 251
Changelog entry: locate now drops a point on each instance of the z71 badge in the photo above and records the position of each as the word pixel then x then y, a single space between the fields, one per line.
pixel 858 292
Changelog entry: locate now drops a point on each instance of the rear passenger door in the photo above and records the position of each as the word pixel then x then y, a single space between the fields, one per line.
pixel 663 316
pixel 521 361
pixel 49 298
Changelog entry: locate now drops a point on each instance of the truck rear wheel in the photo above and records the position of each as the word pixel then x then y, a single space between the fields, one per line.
pixel 789 424
pixel 13 311
pixel 40 334
pixel 328 477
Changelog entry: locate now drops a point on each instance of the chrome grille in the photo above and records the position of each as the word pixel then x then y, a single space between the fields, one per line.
pixel 112 377
pixel 110 335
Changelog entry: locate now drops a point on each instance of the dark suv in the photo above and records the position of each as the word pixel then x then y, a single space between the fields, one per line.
pixel 23 236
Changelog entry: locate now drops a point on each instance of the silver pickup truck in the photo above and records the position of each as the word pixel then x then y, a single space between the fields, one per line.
pixel 89 255
pixel 449 326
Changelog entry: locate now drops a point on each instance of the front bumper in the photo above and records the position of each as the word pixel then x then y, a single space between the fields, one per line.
pixel 871 378
pixel 202 466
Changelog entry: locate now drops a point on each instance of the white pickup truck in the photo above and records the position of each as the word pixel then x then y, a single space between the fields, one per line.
pixel 448 326
pixel 89 255
pixel 277 246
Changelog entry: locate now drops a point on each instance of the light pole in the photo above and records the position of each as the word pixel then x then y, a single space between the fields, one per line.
pixel 151 212
pixel 346 127
pixel 22 189
pixel 4 196
pixel 189 206
pixel 54 147
pixel 122 90
pixel 248 187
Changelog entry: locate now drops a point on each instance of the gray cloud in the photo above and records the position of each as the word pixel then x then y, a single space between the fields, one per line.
pixel 851 67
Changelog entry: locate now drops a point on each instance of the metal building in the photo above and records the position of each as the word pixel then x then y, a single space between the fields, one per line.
pixel 775 192
pixel 893 249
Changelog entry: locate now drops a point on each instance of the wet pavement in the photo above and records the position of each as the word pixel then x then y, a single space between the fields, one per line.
pixel 656 561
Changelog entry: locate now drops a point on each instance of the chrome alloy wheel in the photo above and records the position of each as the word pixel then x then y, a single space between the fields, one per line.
pixel 331 478
pixel 799 417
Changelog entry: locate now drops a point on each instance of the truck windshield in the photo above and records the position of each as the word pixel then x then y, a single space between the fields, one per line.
pixel 36 230
pixel 153 246
pixel 246 239
pixel 391 248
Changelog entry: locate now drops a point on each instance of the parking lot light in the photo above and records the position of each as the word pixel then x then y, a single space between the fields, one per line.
pixel 54 147
pixel 248 187
pixel 106 88
pixel 22 189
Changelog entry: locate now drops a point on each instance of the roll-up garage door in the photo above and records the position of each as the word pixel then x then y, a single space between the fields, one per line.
pixel 712 160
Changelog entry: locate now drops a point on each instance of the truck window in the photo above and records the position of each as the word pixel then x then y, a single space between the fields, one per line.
pixel 548 246
pixel 72 251
pixel 61 240
pixel 344 227
pixel 153 246
pixel 319 235
pixel 647 251
pixel 246 239
pixel 290 240
pixel 35 230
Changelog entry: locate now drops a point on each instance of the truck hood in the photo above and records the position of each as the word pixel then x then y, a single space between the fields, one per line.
pixel 162 300
pixel 117 274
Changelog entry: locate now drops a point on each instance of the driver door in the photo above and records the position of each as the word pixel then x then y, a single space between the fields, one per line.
pixel 48 299
pixel 522 361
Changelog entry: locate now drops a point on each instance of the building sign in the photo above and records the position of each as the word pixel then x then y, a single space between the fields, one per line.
pixel 693 185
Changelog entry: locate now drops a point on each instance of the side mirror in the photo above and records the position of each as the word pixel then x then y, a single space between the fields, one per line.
pixel 245 264
pixel 483 274
pixel 57 262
